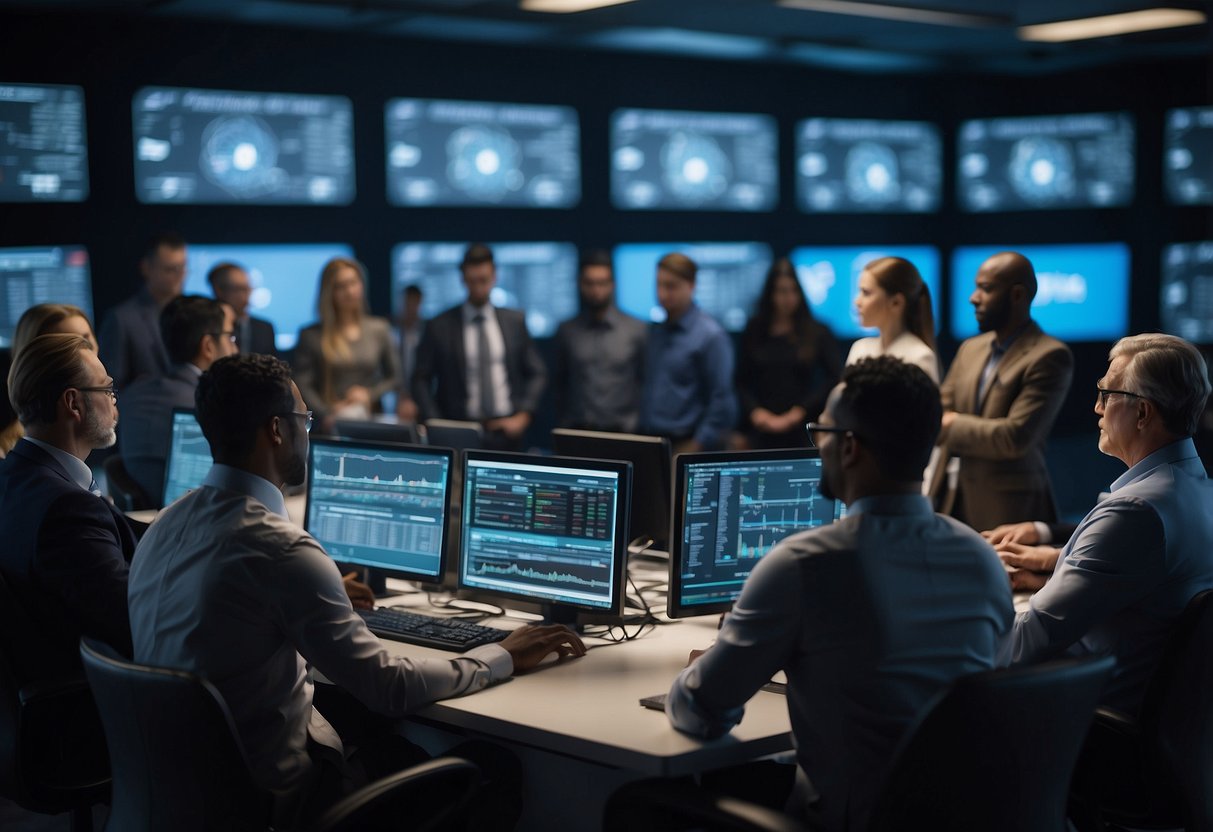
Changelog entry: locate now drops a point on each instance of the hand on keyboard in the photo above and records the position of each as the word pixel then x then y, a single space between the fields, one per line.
pixel 529 645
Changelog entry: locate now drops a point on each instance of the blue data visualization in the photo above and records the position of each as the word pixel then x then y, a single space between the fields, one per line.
pixel 50 274
pixel 727 286
pixel 1186 297
pixel 1082 289
pixel 43 144
pixel 1188 156
pixel 829 276
pixel 285 279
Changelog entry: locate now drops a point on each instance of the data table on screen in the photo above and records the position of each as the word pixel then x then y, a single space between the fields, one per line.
pixel 43 144
pixel 29 276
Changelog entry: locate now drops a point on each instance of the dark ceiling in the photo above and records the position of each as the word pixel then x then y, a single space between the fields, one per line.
pixel 755 30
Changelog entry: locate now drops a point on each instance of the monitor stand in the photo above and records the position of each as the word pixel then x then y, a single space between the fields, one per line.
pixel 561 614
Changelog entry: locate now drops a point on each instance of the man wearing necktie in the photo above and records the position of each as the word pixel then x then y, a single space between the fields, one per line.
pixel 1001 397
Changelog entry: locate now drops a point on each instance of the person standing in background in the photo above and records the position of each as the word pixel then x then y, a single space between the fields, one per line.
pixel 408 338
pixel 230 284
pixel 894 299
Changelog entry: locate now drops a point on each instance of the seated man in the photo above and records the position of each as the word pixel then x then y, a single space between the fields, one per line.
pixel 66 549
pixel 1140 555
pixel 870 616
pixel 228 588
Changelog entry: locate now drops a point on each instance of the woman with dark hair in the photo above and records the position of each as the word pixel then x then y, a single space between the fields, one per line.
pixel 787 365
pixel 894 299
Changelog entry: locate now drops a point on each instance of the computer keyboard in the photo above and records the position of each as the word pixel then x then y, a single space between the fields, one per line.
pixel 455 634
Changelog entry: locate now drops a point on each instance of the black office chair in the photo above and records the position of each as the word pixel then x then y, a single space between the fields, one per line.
pixel 1156 772
pixel 177 761
pixel 674 805
pixel 428 797
pixel 127 493
pixel 52 749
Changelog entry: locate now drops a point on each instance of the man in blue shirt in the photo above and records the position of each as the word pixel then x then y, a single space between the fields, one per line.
pixel 688 390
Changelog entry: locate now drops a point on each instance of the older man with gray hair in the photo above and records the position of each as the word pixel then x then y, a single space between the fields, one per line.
pixel 1146 549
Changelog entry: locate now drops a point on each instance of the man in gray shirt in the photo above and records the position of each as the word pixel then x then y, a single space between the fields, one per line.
pixel 599 356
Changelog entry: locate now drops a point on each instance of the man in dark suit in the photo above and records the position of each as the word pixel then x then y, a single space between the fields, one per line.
pixel 66 549
pixel 230 284
pixel 477 362
pixel 129 344
pixel 196 331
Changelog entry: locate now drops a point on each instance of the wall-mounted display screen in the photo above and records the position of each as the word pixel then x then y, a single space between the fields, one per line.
pixel 1082 289
pixel 1046 162
pixel 674 160
pixel 829 276
pixel 43 145
pixel 727 285
pixel 538 278
pixel 482 153
pixel 867 166
pixel 1188 156
pixel 220 146
pixel 29 276
pixel 1186 297
pixel 285 279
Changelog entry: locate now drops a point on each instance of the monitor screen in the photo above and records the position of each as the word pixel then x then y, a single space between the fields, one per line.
pixel 285 279
pixel 380 505
pixel 43 144
pixel 29 276
pixel 1082 289
pixel 1046 162
pixel 676 160
pixel 189 457
pixel 729 510
pixel 867 166
pixel 1188 156
pixel 1186 297
pixel 549 530
pixel 223 146
pixel 537 278
pixel 650 458
pixel 829 276
pixel 727 286
pixel 482 153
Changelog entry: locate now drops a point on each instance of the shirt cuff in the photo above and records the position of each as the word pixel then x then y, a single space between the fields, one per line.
pixel 498 660
pixel 1043 533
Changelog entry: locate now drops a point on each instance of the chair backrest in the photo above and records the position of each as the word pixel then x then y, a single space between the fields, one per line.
pixel 176 758
pixel 429 796
pixel 994 751
pixel 674 805
pixel 127 493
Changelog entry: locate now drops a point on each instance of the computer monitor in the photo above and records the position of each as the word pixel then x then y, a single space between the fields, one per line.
pixel 550 531
pixel 189 456
pixel 50 274
pixel 650 458
pixel 729 510
pixel 398 432
pixel 1188 156
pixel 1186 296
pixel 43 144
pixel 380 505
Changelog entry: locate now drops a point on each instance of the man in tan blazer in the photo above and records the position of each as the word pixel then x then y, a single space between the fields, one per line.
pixel 1000 398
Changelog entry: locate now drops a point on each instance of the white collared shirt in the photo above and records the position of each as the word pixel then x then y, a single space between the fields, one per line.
pixel 72 465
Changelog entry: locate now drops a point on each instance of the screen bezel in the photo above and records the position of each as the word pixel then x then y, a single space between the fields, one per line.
pixel 556 610
pixel 674 606
pixel 168 462
pixel 390 571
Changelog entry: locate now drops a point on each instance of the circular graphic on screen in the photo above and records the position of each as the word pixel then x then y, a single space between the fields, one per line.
pixel 483 162
pixel 694 167
pixel 872 174
pixel 240 154
pixel 1042 169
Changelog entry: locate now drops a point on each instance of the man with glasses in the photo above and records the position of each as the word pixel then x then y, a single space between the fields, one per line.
pixel 66 548
pixel 869 617
pixel 230 284
pixel 196 331
pixel 1146 549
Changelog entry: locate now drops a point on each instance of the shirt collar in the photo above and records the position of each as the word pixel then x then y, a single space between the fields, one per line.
pixel 1182 449
pixel 1000 347
pixel 909 504
pixel 227 478
pixel 470 312
pixel 685 321
pixel 72 465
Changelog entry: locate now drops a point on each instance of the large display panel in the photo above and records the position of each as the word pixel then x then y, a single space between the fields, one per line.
pixel 285 279
pixel 1188 156
pixel 676 160
pixel 1046 162
pixel 727 285
pixel 829 276
pixel 29 276
pixel 547 530
pixel 258 148
pixel 1082 289
pixel 867 166
pixel 189 457
pixel 482 153
pixel 1186 296
pixel 43 144
pixel 380 505
pixel 537 278
pixel 729 510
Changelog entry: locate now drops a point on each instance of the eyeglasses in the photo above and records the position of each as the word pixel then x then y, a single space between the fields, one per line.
pixel 113 394
pixel 1101 395
pixel 307 415
pixel 816 427
pixel 229 334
